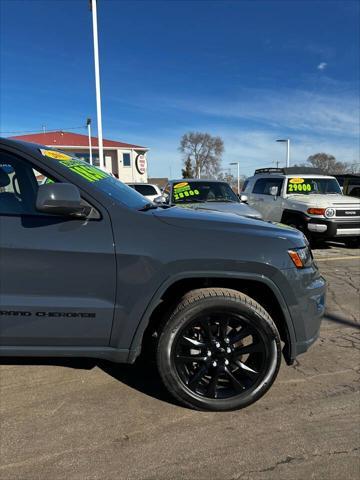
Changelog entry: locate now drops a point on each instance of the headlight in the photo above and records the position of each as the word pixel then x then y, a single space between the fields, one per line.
pixel 301 257
pixel 329 212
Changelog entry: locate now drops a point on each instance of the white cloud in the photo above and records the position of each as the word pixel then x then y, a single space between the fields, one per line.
pixel 258 148
pixel 322 66
pixel 297 110
pixel 254 148
pixel 251 120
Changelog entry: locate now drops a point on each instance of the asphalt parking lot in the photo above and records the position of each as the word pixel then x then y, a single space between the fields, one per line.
pixel 81 420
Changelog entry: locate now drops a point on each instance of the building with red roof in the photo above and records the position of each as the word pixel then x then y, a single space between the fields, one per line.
pixel 125 160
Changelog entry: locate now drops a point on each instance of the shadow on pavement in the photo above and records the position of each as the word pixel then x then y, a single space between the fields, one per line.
pixel 343 321
pixel 75 363
pixel 328 245
pixel 142 375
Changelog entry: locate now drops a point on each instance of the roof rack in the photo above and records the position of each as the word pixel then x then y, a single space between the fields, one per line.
pixel 269 170
pixel 291 170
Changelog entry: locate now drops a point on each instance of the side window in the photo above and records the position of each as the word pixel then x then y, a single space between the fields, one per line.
pixel 245 185
pixel 19 183
pixel 126 160
pixel 263 185
pixel 259 186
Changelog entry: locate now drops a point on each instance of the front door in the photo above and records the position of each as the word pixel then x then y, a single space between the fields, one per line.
pixel 268 205
pixel 57 274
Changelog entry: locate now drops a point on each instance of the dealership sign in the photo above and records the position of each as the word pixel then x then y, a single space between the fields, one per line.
pixel 140 164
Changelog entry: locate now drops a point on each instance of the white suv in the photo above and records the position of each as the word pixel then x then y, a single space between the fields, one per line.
pixel 306 199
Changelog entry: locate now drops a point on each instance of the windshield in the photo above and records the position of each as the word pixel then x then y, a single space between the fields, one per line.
pixel 309 186
pixel 192 192
pixel 99 179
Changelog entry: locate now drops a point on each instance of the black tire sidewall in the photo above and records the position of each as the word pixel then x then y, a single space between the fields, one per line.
pixel 181 319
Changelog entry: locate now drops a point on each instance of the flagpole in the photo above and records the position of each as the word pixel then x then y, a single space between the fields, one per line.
pixel 97 83
pixel 88 123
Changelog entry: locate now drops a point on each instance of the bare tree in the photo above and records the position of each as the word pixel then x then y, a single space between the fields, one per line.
pixel 355 168
pixel 328 163
pixel 202 152
pixel 227 176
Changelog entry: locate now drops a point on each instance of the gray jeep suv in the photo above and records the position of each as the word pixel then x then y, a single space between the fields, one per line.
pixel 89 268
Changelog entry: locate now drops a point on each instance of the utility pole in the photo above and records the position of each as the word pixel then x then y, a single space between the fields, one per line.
pixel 93 8
pixel 238 175
pixel 287 141
pixel 88 123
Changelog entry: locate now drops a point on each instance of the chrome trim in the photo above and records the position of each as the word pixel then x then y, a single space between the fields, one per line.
pixel 348 231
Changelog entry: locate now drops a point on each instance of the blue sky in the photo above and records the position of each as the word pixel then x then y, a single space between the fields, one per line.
pixel 249 71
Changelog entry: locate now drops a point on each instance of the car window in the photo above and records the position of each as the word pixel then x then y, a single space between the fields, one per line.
pixel 299 185
pixel 263 185
pixel 19 183
pixel 188 192
pixel 145 189
pixel 245 185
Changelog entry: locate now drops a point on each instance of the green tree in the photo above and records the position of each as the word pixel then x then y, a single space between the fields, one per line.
pixel 188 171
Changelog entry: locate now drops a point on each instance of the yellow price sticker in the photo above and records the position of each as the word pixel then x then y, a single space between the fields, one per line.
pixel 55 154
pixel 296 180
pixel 180 185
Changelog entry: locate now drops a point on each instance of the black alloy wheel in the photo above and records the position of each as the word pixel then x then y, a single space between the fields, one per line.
pixel 220 350
pixel 219 356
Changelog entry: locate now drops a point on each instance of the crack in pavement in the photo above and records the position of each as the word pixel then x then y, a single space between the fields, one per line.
pixel 289 459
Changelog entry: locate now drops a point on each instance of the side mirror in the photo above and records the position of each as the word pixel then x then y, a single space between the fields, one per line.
pixel 60 199
pixel 244 198
pixel 160 200
pixel 274 191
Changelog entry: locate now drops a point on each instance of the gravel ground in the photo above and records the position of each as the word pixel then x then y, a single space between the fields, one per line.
pixel 79 420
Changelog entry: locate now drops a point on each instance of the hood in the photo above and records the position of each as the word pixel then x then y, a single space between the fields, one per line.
pixel 228 207
pixel 229 222
pixel 323 200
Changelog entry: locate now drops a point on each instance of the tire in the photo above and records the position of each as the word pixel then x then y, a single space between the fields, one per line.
pixel 219 350
pixel 353 242
pixel 302 228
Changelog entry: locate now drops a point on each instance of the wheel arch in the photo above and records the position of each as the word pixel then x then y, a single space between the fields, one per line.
pixel 294 215
pixel 260 288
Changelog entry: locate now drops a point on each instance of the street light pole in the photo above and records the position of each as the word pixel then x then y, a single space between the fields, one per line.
pixel 88 123
pixel 97 83
pixel 287 141
pixel 238 175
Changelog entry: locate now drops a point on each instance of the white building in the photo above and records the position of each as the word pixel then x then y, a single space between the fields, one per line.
pixel 127 162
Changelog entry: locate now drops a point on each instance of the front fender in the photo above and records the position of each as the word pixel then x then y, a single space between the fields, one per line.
pixel 136 343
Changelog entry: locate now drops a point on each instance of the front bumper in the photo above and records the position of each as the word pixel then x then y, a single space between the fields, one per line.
pixel 331 228
pixel 308 306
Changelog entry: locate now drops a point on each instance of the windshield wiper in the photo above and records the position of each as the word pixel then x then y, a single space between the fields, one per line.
pixel 148 206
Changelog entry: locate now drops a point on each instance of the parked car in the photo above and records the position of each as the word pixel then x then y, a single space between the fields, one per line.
pixel 90 268
pixel 307 200
pixel 349 183
pixel 148 190
pixel 206 195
